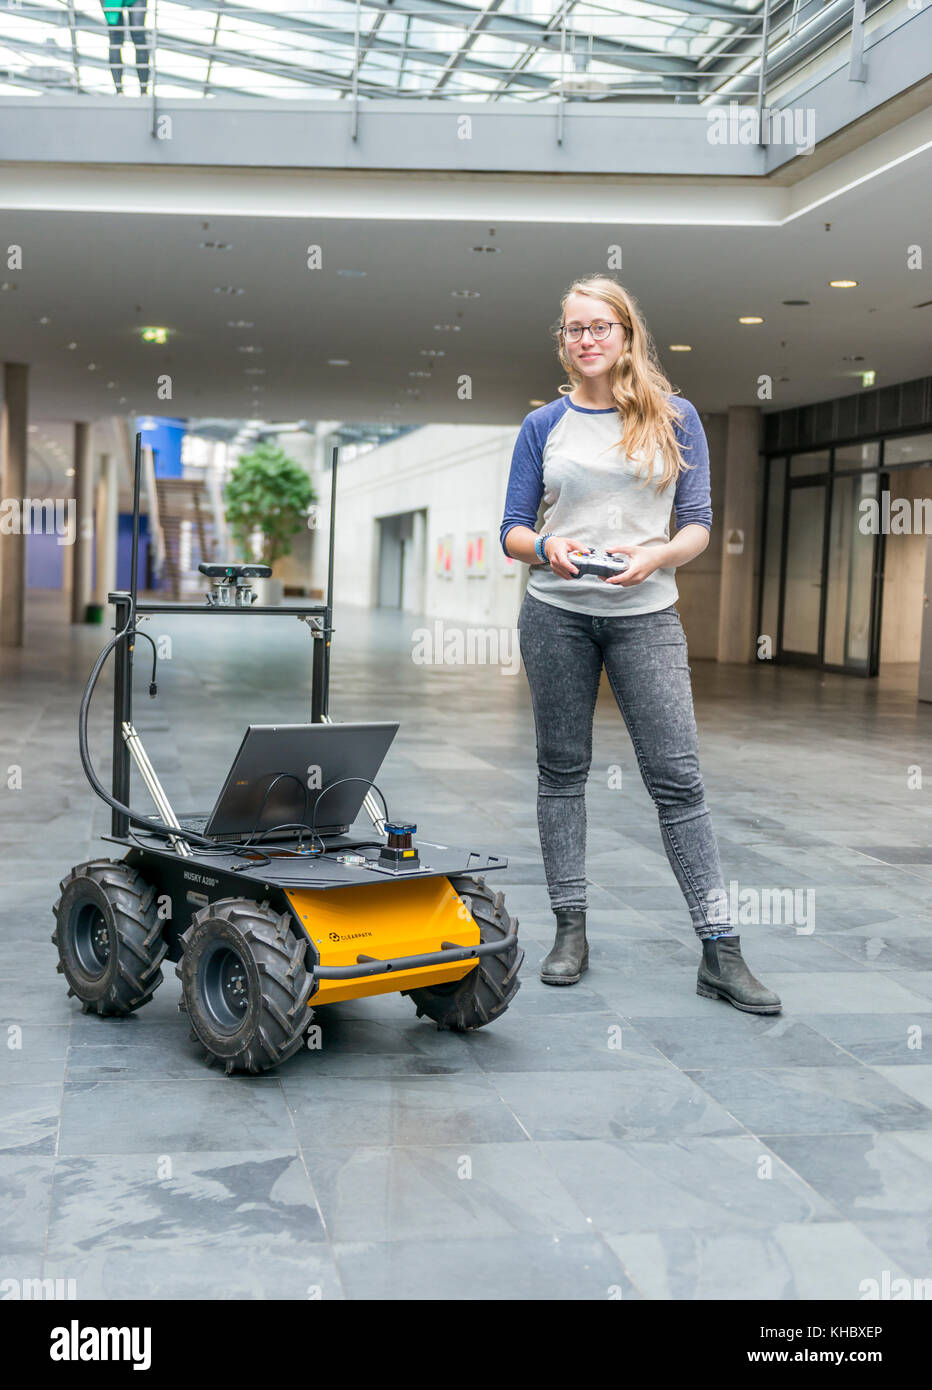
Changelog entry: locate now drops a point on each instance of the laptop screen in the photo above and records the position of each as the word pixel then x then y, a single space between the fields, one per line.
pixel 313 774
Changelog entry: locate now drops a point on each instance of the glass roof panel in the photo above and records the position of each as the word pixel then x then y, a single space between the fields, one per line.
pixel 439 48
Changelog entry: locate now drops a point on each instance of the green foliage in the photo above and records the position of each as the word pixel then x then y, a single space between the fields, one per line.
pixel 272 492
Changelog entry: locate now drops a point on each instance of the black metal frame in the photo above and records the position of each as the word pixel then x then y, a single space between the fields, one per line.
pixel 123 671
pixel 126 608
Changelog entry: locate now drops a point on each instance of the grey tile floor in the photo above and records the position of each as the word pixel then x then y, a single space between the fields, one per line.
pixel 624 1138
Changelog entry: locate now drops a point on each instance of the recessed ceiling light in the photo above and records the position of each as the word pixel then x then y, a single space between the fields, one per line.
pixel 239 323
pixel 248 347
pixel 155 335
pixel 537 402
pixel 226 289
pixel 337 361
pixel 433 352
pixel 750 318
pixel 446 328
pixel 465 294
pixel 69 472
pixel 868 378
pixel 92 366
pixel 353 274
pixel 422 374
pixel 795 301
pixel 680 347
pixel 111 385
pixel 72 346
pixel 843 284
pixel 45 319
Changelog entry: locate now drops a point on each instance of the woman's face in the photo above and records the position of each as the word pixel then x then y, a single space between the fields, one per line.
pixel 592 357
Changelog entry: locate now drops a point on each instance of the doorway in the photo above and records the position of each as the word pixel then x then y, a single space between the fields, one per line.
pixel 831 571
pixel 401 561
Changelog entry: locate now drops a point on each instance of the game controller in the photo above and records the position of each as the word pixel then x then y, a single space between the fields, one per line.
pixel 597 562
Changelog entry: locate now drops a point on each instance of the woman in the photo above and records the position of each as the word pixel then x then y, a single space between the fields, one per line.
pixel 608 458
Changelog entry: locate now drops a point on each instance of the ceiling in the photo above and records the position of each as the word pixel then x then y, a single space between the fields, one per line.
pixel 98 278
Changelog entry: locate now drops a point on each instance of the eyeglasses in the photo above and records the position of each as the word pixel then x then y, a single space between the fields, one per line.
pixel 599 330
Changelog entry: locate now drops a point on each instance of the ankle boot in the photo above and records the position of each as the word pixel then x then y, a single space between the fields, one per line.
pixel 724 974
pixel 570 954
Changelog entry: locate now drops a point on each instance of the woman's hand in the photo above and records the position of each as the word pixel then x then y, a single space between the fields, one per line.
pixel 642 561
pixel 556 549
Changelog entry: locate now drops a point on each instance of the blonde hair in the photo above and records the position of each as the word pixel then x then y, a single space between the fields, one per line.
pixel 639 387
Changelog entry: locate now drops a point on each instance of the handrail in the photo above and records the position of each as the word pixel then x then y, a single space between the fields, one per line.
pixel 762 51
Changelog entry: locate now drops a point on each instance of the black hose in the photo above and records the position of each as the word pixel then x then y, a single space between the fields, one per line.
pixel 154 827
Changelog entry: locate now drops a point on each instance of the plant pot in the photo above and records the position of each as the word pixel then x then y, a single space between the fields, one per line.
pixel 269 592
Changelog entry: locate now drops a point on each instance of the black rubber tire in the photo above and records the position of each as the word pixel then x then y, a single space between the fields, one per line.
pixel 486 992
pixel 109 937
pixel 272 984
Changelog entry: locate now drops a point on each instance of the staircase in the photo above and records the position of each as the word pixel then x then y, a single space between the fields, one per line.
pixel 186 517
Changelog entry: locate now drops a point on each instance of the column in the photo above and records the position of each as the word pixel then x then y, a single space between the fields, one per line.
pixel 107 511
pixel 738 602
pixel 925 650
pixel 419 560
pixel 83 558
pixel 13 438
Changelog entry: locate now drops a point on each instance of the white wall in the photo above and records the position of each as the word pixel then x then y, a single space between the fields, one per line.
pixel 458 475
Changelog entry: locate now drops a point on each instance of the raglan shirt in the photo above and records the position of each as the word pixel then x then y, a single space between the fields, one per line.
pixel 567 456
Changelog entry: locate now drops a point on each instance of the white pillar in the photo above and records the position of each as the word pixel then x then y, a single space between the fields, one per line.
pixel 418 558
pixel 925 650
pixel 83 559
pixel 13 445
pixel 738 603
pixel 107 513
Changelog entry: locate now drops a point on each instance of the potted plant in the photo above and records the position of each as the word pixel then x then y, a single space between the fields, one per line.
pixel 268 496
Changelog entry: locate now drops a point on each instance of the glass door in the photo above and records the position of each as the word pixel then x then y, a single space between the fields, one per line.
pixel 850 579
pixel 831 572
pixel 800 629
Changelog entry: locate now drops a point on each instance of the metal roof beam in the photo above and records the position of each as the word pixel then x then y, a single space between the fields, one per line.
pixel 342 37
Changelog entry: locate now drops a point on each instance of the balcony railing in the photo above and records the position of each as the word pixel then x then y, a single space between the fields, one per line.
pixel 753 52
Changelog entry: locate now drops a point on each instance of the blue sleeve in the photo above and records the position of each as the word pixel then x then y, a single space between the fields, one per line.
pixel 692 500
pixel 526 479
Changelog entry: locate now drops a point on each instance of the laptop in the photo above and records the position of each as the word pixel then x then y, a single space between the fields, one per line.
pixel 317 760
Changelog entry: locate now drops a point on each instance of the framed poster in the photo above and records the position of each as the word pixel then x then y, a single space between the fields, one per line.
pixel 477 547
pixel 443 558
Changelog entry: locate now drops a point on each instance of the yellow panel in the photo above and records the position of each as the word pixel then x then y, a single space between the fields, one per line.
pixel 406 918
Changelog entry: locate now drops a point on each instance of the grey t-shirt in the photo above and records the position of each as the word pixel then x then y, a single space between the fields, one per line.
pixel 566 456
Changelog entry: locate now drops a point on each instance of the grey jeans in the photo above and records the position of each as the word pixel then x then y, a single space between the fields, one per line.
pixel 646 663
